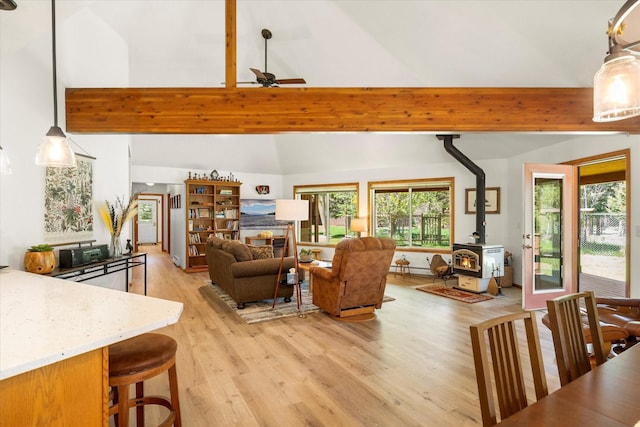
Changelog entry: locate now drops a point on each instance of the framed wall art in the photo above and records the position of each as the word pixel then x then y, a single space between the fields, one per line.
pixel 259 214
pixel 68 203
pixel 492 200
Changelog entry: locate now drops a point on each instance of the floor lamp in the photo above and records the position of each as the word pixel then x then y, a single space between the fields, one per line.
pixel 290 211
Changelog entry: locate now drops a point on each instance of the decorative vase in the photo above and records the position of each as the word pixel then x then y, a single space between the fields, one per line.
pixel 39 262
pixel 115 248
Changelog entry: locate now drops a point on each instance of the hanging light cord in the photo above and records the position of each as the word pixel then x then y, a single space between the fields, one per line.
pixel 53 56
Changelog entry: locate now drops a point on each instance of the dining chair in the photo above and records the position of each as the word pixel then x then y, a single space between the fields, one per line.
pixel 566 317
pixel 505 364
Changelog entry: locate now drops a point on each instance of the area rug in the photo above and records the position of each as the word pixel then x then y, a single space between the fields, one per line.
pixel 261 311
pixel 456 294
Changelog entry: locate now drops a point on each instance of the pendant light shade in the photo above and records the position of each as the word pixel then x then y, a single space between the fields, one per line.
pixel 55 150
pixel 616 89
pixel 616 85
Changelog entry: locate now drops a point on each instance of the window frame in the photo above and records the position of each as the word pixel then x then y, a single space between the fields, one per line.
pixel 418 183
pixel 299 190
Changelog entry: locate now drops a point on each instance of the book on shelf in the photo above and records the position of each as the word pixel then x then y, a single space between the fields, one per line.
pixel 226 191
pixel 193 250
pixel 230 213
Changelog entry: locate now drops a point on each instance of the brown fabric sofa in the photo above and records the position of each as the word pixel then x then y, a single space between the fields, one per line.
pixel 247 273
pixel 355 284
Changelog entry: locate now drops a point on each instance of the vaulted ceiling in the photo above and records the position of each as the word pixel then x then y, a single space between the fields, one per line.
pixel 330 43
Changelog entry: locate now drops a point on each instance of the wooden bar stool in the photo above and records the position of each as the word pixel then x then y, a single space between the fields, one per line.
pixel 134 361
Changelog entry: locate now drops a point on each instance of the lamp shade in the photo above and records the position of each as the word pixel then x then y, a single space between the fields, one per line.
pixel 55 150
pixel 358 224
pixel 616 89
pixel 292 210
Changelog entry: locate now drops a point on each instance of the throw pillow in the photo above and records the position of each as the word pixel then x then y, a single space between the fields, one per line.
pixel 261 252
pixel 215 242
pixel 238 250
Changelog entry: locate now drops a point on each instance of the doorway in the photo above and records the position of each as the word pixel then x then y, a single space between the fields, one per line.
pixel 547 247
pixel 147 222
pixel 603 196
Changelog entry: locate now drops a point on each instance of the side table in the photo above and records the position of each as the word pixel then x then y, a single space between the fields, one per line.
pixel 403 264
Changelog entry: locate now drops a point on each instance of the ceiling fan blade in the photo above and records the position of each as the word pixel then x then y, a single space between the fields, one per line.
pixel 296 81
pixel 258 73
pixel 242 83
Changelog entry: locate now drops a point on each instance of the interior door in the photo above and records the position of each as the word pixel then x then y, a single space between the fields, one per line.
pixel 548 248
pixel 147 222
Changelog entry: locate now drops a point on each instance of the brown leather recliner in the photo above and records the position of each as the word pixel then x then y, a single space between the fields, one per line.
pixel 354 286
pixel 623 312
pixel 619 321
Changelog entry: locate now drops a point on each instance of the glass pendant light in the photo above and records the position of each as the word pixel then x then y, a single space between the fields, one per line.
pixel 616 89
pixel 55 150
pixel 616 85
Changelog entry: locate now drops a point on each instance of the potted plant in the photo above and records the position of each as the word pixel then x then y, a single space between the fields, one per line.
pixel 40 259
pixel 305 255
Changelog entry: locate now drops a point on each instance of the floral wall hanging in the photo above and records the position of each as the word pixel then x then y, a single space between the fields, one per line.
pixel 68 203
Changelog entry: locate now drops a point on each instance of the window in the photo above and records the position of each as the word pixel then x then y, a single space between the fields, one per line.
pixel 145 213
pixel 416 214
pixel 331 208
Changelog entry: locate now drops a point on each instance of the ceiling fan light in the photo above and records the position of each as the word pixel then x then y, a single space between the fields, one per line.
pixel 616 89
pixel 55 150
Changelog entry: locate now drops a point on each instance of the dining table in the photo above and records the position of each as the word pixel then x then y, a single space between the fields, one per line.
pixel 608 395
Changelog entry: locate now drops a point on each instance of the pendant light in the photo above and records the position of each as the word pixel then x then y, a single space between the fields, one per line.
pixel 55 150
pixel 616 85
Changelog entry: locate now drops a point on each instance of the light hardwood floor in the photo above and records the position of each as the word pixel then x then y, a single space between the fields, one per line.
pixel 412 366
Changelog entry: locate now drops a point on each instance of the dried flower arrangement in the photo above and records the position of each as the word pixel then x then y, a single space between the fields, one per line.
pixel 115 215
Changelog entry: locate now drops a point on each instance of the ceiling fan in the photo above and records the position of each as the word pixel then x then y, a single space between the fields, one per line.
pixel 265 78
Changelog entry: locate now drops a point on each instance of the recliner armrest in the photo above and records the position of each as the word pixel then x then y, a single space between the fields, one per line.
pixel 619 302
pixel 321 272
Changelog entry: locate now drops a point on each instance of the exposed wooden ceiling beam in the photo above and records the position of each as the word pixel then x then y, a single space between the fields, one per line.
pixel 275 110
pixel 230 43
pixel 231 110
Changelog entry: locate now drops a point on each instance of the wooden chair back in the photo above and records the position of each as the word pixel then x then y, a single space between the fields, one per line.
pixel 566 321
pixel 505 364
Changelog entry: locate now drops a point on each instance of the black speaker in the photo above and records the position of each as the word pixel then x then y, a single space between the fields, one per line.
pixel 82 256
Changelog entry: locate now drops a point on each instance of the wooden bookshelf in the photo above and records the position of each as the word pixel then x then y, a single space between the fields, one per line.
pixel 212 207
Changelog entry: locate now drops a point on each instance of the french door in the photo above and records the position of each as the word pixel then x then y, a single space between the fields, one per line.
pixel 549 220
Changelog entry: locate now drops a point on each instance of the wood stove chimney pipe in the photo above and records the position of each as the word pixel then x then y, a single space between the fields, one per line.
pixel 480 183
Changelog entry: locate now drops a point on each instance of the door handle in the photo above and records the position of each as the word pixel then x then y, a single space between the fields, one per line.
pixel 526 236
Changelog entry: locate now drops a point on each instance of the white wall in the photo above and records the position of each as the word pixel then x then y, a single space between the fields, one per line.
pixel 26 114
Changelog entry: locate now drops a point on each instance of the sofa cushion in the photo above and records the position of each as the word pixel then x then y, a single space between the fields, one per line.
pixel 215 242
pixel 240 251
pixel 261 252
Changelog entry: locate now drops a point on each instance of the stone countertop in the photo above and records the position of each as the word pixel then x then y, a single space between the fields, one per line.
pixel 44 320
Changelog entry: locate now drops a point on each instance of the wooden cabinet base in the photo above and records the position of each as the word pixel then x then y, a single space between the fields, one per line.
pixel 72 392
